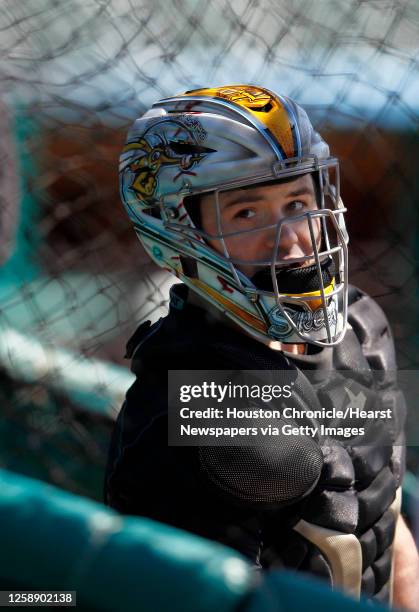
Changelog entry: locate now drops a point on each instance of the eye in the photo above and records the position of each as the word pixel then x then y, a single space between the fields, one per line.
pixel 296 206
pixel 245 213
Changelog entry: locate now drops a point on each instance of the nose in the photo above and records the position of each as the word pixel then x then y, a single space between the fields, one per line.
pixel 288 241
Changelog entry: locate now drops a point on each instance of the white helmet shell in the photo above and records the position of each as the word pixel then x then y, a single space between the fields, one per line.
pixel 214 140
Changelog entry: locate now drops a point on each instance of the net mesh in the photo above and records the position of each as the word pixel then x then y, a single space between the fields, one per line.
pixel 73 76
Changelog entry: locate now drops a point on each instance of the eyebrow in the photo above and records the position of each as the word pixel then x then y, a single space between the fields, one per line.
pixel 300 192
pixel 242 198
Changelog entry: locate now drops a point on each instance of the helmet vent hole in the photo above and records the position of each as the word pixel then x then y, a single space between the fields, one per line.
pixel 264 109
pixel 189 266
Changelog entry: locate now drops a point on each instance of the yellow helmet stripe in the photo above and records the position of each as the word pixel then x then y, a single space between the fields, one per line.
pixel 267 108
pixel 313 304
pixel 241 313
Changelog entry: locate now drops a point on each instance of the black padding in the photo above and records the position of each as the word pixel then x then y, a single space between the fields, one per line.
pixel 371 327
pixel 394 401
pixel 333 395
pixel 368 461
pixel 382 569
pixel 375 498
pixel 289 550
pixel 377 433
pixel 367 319
pixel 384 531
pixel 383 595
pixel 337 469
pixel 354 294
pixel 369 548
pixel 296 280
pixel 334 510
pixel 349 356
pixel 268 476
pixel 317 564
pixel 368 582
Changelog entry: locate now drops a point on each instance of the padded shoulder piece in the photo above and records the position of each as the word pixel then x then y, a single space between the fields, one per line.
pixel 372 329
pixel 266 477
pixel 275 473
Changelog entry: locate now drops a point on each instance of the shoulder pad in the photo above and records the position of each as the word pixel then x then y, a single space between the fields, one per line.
pixel 372 329
pixel 266 477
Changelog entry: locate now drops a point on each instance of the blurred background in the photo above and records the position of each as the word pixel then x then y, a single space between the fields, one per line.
pixel 74 282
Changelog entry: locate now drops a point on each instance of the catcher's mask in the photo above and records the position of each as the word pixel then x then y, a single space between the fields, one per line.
pixel 185 162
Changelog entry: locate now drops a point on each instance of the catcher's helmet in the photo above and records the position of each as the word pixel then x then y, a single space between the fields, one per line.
pixel 210 141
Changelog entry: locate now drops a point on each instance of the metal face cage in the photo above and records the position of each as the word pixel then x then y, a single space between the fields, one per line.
pixel 327 220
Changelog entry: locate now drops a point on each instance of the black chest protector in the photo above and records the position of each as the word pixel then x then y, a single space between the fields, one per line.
pixel 347 524
pixel 312 504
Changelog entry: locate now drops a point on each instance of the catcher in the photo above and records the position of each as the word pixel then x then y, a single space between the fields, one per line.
pixel 233 191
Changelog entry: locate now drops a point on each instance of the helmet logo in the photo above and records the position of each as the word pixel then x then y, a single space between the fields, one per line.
pixel 167 143
pixel 271 111
pixel 305 321
pixel 249 97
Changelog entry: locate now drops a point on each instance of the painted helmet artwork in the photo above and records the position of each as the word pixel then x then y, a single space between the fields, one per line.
pixel 200 145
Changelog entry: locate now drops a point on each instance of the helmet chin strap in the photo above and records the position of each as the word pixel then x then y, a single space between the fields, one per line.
pixel 302 279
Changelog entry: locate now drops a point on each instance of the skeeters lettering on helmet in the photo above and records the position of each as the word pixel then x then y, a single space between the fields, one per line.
pixel 266 243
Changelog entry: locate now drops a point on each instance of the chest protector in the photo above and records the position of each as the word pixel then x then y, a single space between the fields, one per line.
pixel 313 504
pixel 346 528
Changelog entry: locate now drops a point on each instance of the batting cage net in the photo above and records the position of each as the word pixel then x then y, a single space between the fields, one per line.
pixel 74 281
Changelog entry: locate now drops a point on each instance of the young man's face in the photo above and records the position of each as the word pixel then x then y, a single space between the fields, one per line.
pixel 259 206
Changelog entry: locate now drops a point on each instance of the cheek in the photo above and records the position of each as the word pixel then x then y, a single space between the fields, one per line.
pixel 247 248
pixel 251 247
pixel 209 225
